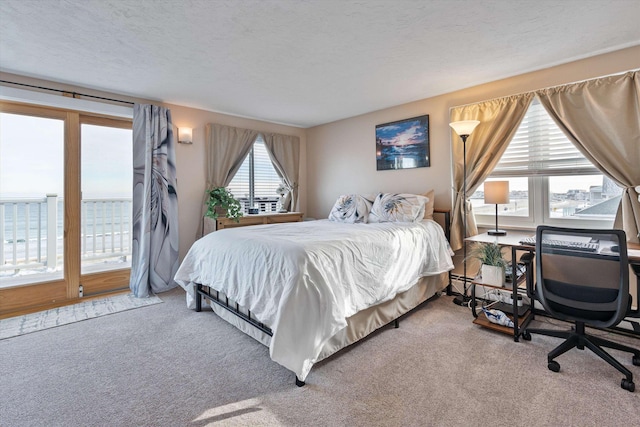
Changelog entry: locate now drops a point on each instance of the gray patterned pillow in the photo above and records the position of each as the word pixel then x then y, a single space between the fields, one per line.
pixel 350 208
pixel 390 207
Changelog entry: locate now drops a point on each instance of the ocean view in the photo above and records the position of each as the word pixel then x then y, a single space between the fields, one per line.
pixel 25 233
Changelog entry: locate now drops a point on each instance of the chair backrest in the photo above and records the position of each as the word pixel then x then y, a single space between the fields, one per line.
pixel 585 284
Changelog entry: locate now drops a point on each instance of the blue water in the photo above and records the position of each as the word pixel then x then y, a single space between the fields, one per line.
pixel 38 215
pixel 392 156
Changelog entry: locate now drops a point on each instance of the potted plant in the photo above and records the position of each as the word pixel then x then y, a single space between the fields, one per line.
pixel 222 203
pixel 493 263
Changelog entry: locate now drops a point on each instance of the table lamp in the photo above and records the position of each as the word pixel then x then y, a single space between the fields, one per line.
pixel 496 192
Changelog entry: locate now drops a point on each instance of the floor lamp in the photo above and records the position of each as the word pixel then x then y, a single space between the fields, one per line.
pixel 464 129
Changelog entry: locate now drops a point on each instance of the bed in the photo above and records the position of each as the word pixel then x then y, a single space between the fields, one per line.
pixel 308 289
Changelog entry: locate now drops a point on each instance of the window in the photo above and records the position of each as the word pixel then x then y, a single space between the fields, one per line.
pixel 256 181
pixel 550 181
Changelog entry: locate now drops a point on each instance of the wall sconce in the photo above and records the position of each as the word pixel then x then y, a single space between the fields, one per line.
pixel 496 192
pixel 185 136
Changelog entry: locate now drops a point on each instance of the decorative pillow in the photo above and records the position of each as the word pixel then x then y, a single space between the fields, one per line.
pixel 350 208
pixel 429 207
pixel 390 207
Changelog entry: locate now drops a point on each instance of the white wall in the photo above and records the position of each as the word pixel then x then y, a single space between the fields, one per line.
pixel 342 154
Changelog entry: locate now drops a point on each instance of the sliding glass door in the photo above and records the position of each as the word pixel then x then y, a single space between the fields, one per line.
pixel 65 206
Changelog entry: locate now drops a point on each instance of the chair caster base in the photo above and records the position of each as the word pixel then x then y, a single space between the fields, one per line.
pixel 628 385
pixel 553 366
pixel 299 383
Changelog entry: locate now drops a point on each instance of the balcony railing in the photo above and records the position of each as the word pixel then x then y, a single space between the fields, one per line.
pixel 265 204
pixel 31 232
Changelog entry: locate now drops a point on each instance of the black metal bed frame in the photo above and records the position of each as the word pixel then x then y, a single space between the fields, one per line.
pixel 234 308
pixel 214 296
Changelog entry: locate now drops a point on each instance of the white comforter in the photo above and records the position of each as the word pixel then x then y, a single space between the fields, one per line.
pixel 304 279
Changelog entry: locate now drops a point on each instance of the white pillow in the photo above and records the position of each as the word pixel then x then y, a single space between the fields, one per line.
pixel 350 208
pixel 390 207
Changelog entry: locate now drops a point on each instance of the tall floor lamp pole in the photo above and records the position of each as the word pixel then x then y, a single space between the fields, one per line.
pixel 463 129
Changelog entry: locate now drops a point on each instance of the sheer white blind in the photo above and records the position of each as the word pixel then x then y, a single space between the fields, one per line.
pixel 265 178
pixel 539 147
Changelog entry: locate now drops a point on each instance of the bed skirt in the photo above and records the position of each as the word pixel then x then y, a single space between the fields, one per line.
pixel 360 324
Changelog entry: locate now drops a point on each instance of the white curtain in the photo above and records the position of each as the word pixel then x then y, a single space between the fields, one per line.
pixel 225 150
pixel 284 152
pixel 602 118
pixel 499 121
pixel 154 259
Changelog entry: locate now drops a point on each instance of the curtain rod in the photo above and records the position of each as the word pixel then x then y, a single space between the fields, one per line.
pixel 622 73
pixel 74 94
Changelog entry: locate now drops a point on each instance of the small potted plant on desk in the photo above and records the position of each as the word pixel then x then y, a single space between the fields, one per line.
pixel 221 203
pixel 493 263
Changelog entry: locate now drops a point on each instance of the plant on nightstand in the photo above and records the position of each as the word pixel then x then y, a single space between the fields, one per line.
pixel 222 203
pixel 493 263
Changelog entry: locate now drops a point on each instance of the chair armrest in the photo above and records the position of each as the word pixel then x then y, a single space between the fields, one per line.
pixel 636 312
pixel 527 260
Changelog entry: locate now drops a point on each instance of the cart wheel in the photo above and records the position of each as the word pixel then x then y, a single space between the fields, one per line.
pixel 628 385
pixel 553 366
pixel 526 336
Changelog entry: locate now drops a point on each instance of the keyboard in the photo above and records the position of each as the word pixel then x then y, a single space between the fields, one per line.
pixel 563 244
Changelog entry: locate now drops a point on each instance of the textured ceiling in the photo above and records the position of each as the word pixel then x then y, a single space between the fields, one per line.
pixel 302 62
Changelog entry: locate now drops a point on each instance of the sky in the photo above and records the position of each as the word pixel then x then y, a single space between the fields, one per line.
pixel 403 133
pixel 32 159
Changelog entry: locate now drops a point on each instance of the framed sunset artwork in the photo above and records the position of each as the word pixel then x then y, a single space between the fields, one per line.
pixel 403 144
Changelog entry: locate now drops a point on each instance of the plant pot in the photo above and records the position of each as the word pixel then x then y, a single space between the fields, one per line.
pixel 492 275
pixel 221 211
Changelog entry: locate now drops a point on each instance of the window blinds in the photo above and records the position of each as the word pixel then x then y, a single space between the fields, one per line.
pixel 265 177
pixel 539 147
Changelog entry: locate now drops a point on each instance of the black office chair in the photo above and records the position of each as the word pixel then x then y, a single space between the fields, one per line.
pixel 583 283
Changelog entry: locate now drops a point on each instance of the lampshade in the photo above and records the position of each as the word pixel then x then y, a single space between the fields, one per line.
pixel 464 127
pixel 496 192
pixel 185 136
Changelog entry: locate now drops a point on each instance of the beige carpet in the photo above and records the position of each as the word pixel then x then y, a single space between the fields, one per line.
pixel 34 322
pixel 165 365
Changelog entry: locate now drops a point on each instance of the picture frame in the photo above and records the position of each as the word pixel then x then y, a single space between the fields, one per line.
pixel 403 144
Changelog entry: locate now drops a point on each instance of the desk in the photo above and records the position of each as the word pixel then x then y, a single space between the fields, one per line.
pixel 512 241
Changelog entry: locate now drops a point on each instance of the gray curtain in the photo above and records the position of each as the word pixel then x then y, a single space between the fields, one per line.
pixel 602 118
pixel 225 150
pixel 154 259
pixel 284 152
pixel 499 121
